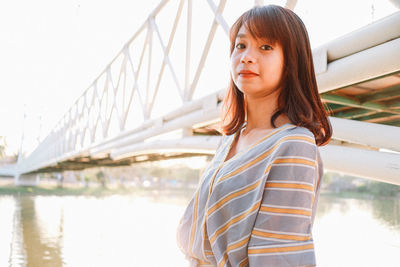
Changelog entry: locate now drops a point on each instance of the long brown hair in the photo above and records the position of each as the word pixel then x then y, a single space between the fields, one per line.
pixel 299 98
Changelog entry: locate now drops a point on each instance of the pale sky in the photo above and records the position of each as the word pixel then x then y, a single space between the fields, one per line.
pixel 52 50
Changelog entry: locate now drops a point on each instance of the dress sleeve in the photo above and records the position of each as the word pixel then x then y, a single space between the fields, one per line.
pixel 281 235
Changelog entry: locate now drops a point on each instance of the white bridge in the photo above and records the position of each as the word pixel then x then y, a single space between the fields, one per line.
pixel 160 97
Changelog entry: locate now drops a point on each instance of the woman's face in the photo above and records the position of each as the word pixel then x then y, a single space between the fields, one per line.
pixel 256 64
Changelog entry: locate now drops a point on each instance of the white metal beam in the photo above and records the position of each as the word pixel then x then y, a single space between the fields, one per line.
pixel 365 133
pixel 192 144
pixel 374 165
pixel 291 4
pixel 373 62
pixel 374 34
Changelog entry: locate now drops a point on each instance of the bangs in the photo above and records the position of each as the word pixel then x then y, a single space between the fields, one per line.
pixel 261 24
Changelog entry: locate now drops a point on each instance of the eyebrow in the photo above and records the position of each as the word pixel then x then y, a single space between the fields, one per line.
pixel 243 35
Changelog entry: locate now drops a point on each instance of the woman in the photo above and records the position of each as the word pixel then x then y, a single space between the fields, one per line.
pixel 256 201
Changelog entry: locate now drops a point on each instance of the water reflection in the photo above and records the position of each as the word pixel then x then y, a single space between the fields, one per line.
pixel 139 230
pixel 387 210
pixel 41 242
pixel 357 232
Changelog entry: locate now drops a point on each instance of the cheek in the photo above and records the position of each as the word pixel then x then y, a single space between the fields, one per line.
pixel 234 64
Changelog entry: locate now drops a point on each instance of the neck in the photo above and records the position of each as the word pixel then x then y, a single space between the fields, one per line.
pixel 260 110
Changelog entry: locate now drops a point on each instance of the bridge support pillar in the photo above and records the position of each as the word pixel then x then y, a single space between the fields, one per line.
pixel 60 179
pixel 27 179
pixel 16 179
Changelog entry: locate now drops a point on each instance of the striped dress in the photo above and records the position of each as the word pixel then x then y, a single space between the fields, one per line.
pixel 258 207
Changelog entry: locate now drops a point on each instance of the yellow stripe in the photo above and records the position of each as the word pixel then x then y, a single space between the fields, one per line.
pixel 290 185
pixel 209 253
pixel 238 244
pixel 233 195
pixel 234 220
pixel 245 166
pixel 280 236
pixel 280 249
pixel 288 211
pixel 264 155
pixel 194 223
pixel 203 262
pixel 268 169
pixel 295 161
pixel 232 247
pixel 223 261
pixel 243 263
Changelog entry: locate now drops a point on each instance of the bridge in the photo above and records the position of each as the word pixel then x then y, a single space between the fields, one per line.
pixel 160 97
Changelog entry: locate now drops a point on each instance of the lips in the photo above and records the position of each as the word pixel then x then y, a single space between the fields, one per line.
pixel 247 74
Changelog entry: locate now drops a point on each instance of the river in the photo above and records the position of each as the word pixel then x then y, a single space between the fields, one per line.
pixel 139 230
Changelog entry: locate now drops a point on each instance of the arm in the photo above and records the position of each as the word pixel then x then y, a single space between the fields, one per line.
pixel 281 235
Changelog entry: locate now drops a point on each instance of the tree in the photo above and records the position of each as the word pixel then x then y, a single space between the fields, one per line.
pixel 101 178
pixel 3 145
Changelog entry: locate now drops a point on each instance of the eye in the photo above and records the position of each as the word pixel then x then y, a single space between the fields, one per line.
pixel 239 46
pixel 266 47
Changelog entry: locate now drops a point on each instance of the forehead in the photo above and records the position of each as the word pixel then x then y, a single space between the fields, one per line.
pixel 244 33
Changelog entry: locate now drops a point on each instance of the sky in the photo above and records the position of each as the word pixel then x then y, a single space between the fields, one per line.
pixel 52 50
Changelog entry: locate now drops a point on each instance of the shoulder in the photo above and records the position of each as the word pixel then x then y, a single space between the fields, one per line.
pixel 296 141
pixel 301 131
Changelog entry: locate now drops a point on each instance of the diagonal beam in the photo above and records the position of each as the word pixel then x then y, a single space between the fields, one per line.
pixel 291 4
pixel 394 105
pixel 149 59
pixel 337 99
pixel 218 17
pixel 167 60
pixel 375 117
pixel 135 85
pixel 393 123
pixel 382 95
pixel 188 44
pixel 354 114
pixel 384 119
pixel 166 57
pixel 335 107
pixel 189 94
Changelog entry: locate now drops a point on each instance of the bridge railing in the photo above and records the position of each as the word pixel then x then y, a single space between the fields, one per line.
pixel 157 71
pixel 170 76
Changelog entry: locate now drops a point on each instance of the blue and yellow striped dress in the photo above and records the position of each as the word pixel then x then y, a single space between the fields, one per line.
pixel 258 207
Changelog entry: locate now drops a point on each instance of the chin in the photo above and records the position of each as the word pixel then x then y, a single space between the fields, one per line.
pixel 248 90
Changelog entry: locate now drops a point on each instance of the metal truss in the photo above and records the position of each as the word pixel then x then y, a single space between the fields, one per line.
pixel 113 121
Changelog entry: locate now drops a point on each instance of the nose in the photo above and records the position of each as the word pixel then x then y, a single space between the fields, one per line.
pixel 247 57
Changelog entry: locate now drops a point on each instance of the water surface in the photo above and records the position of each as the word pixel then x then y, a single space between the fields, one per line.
pixel 131 230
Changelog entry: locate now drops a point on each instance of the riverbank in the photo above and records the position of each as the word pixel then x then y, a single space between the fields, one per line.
pixel 63 191
pixel 98 191
pixel 51 188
